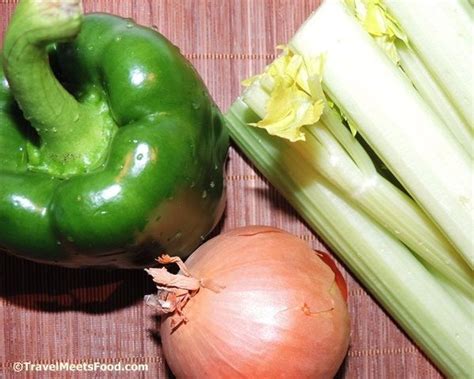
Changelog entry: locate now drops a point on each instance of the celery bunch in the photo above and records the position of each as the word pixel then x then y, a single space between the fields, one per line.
pixel 360 67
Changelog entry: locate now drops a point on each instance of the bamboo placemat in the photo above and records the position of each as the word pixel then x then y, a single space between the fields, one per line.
pixel 50 314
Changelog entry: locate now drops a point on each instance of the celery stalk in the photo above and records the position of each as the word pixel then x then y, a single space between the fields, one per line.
pixel 340 159
pixel 441 33
pixel 436 98
pixel 464 300
pixel 394 119
pixel 386 30
pixel 386 267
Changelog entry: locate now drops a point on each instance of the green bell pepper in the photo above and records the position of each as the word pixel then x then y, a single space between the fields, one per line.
pixel 111 148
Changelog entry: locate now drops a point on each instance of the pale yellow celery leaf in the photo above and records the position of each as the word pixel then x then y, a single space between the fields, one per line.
pixel 309 77
pixel 385 29
pixel 396 29
pixel 288 110
pixel 316 88
pixel 285 69
pixel 375 22
pixel 293 67
pixel 276 69
pixel 314 77
pixel 296 95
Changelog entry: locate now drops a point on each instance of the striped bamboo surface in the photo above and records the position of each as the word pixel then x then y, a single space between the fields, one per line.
pixel 50 314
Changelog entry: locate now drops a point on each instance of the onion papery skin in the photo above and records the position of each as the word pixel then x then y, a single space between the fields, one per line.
pixel 279 315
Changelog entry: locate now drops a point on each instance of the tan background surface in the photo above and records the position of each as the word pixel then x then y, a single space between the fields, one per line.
pixel 49 314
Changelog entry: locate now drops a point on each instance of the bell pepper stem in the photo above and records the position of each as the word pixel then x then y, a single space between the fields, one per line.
pixel 72 137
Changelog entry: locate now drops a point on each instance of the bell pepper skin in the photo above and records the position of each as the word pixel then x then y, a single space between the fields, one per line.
pixel 129 166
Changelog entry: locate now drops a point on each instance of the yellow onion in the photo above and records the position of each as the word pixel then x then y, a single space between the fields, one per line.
pixel 255 302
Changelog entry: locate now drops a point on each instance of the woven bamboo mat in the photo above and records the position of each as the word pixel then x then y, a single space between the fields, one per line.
pixel 50 314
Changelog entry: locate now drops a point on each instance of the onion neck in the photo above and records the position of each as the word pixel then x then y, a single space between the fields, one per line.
pixel 175 290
